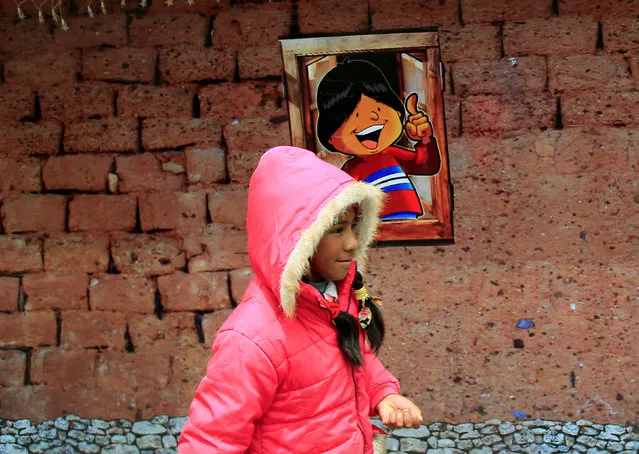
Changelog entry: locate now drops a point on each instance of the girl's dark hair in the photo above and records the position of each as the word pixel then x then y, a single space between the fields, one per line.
pixel 348 329
pixel 342 88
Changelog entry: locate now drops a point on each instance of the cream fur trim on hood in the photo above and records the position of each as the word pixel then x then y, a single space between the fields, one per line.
pixel 370 200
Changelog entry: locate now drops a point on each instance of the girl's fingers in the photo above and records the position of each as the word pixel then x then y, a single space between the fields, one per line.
pixel 399 418
pixel 408 418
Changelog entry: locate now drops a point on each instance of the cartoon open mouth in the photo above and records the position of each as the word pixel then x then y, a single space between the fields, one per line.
pixel 370 136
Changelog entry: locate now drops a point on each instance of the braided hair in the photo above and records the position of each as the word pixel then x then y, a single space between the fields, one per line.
pixel 348 326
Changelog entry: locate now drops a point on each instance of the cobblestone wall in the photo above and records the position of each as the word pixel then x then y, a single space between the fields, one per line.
pixel 159 435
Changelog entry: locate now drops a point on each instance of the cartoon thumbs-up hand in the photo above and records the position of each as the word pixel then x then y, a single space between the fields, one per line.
pixel 418 126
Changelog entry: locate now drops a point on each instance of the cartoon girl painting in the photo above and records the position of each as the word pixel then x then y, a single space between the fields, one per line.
pixel 361 116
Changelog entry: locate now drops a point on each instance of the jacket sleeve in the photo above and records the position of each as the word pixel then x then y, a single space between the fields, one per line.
pixel 237 390
pixel 379 381
pixel 425 160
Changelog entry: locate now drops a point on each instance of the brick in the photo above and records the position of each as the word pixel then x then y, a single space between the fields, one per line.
pixel 20 254
pixel 229 205
pixel 23 36
pixel 183 30
pixel 76 252
pixel 507 114
pixel 189 366
pixel 93 329
pixel 216 248
pixel 557 36
pixel 598 108
pixel 473 42
pixel 147 254
pixel 203 6
pixel 173 210
pixel 194 291
pixel 55 291
pixel 173 332
pixel 44 401
pixel 332 16
pixel 122 64
pixel 104 213
pixel 34 213
pixel 232 101
pixel 600 9
pixel 74 102
pixel 247 141
pixel 51 366
pixel 507 10
pixel 167 134
pixel 122 293
pixel 12 365
pixel 452 107
pixel 211 324
pixel 87 173
pixel 9 293
pixel 242 26
pixel 418 14
pixel 257 62
pixel 28 329
pixel 144 172
pixel 179 65
pixel 150 102
pixel 588 72
pixel 110 135
pixel 620 34
pixel 500 76
pixel 20 175
pixel 16 103
pixel 239 282
pixel 62 66
pixel 205 167
pixel 21 139
pixel 93 31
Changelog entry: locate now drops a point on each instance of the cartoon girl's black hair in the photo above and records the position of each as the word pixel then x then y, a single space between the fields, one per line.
pixel 341 89
pixel 348 329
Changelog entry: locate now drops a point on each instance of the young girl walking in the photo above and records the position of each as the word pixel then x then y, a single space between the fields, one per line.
pixel 294 367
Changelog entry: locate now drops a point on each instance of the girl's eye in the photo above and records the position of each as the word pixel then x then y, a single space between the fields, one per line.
pixel 357 115
pixel 338 230
pixel 379 110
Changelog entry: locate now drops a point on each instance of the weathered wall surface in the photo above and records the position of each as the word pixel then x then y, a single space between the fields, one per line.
pixel 128 141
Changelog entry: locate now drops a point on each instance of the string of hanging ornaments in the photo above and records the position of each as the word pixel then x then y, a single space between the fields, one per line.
pixel 91 7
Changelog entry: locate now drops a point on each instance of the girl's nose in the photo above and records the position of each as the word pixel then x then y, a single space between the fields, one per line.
pixel 374 115
pixel 351 243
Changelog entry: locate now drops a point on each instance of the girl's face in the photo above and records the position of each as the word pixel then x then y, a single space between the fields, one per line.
pixel 372 127
pixel 336 249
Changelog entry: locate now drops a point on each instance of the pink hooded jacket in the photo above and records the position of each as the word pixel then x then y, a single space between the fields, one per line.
pixel 277 381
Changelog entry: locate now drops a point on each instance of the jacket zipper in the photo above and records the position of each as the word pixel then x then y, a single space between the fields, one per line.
pixel 357 407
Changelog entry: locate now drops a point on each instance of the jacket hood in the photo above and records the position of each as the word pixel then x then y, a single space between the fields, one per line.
pixel 294 198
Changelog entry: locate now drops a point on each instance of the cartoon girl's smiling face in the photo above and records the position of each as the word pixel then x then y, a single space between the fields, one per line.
pixel 372 127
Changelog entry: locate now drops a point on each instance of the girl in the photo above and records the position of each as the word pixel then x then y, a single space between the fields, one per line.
pixel 291 370
pixel 361 116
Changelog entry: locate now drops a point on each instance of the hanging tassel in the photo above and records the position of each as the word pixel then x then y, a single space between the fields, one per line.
pixel 65 27
pixel 103 7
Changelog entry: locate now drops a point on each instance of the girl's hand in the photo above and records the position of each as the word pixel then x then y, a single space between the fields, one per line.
pixel 398 412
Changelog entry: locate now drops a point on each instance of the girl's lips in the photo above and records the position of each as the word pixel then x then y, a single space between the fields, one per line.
pixel 369 137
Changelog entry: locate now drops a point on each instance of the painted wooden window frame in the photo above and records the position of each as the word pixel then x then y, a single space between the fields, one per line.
pixel 298 52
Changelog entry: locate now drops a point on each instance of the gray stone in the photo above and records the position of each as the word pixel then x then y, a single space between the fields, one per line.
pixel 492 422
pixel 149 442
pixel 29 431
pixel 463 428
pixel 9 431
pixel 506 428
pixel 73 442
pixel 632 445
pixel 147 428
pixel 79 426
pixel 21 424
pixel 88 448
pixel 48 432
pixel 445 443
pixel 484 450
pixel 23 440
pixel 7 439
pixel 584 423
pixel 465 444
pixel 590 431
pixel 13 449
pixel 614 446
pixel 102 440
pixel 39 448
pixel 553 437
pixel 392 444
pixel 489 430
pixel 99 424
pixel 615 429
pixel 491 439
pixel 421 432
pixel 608 436
pixel 95 431
pixel 587 441
pixel 120 449
pixel 77 434
pixel 90 438
pixel 73 418
pixel 470 435
pixel 65 449
pixel 160 419
pixel 115 431
pixel 523 437
pixel 169 441
pixel 596 451
pixel 61 424
pixel 539 430
pixel 432 441
pixel 118 439
pixel 177 424
pixel 130 438
pixel 571 428
pixel 412 445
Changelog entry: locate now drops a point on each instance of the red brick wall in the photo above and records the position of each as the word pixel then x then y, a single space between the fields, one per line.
pixel 128 141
